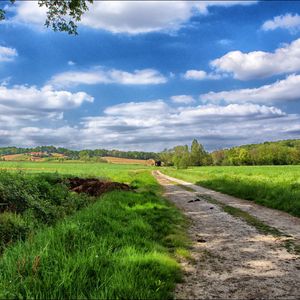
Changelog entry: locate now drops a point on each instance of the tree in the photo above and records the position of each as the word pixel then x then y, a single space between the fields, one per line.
pixel 181 158
pixel 198 154
pixel 167 157
pixel 62 15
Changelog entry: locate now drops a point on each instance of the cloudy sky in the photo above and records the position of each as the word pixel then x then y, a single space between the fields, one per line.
pixel 151 75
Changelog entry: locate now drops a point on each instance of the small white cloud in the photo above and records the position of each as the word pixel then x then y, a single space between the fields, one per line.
pixel 287 89
pixel 224 42
pixel 260 64
pixel 183 99
pixel 7 54
pixel 100 76
pixel 200 75
pixel 71 63
pixel 288 21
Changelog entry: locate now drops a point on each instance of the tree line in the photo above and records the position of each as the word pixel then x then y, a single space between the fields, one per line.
pixel 81 154
pixel 285 152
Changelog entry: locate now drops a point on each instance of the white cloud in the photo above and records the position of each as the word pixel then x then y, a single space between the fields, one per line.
pixel 29 12
pixel 287 89
pixel 155 125
pixel 131 17
pixel 287 21
pixel 98 76
pixel 260 64
pixel 71 63
pixel 183 99
pixel 22 104
pixel 7 54
pixel 199 75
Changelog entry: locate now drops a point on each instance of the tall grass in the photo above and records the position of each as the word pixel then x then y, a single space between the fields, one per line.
pixel 121 246
pixel 273 186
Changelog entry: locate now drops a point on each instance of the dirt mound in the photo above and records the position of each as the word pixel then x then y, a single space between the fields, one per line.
pixel 94 186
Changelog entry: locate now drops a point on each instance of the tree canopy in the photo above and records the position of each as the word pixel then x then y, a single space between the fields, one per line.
pixel 62 15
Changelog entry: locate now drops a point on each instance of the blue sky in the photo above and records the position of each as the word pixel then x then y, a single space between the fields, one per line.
pixel 151 75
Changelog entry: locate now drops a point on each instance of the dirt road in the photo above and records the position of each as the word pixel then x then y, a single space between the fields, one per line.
pixel 231 259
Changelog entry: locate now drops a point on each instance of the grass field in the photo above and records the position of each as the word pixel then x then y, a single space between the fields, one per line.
pixel 123 173
pixel 121 245
pixel 273 186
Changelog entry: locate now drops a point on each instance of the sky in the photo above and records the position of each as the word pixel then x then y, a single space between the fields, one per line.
pixel 151 75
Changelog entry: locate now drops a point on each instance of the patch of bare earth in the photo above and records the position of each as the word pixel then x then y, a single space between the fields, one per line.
pixel 94 187
pixel 231 259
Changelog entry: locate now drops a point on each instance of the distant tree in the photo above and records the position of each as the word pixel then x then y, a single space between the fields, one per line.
pixel 62 15
pixel 198 154
pixel 181 158
pixel 167 157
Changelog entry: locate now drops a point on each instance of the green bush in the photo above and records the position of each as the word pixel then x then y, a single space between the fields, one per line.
pixel 32 201
pixel 12 228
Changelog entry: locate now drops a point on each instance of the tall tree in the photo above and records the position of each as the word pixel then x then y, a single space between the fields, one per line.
pixel 198 154
pixel 181 157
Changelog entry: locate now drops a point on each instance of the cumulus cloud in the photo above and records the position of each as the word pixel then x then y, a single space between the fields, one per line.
pixel 182 99
pixel 130 17
pixel 199 75
pixel 20 104
pixel 100 76
pixel 260 64
pixel 7 54
pixel 284 90
pixel 288 21
pixel 155 125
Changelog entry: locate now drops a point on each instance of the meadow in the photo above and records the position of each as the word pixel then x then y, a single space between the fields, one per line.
pixel 273 186
pixel 124 244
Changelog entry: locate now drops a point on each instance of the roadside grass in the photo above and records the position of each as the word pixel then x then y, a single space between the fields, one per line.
pixel 29 202
pixel 124 245
pixel 272 186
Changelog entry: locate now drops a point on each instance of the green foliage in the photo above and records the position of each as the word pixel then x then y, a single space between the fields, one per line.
pixel 181 157
pixel 32 201
pixel 269 153
pixel 117 248
pixel 273 186
pixel 86 155
pixel 61 15
pixel 198 154
pixel 12 228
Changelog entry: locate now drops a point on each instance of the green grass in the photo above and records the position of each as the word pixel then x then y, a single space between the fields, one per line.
pixel 122 173
pixel 124 245
pixel 273 186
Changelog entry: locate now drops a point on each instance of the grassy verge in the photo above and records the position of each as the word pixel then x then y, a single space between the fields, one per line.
pixel 272 186
pixel 122 246
pixel 29 202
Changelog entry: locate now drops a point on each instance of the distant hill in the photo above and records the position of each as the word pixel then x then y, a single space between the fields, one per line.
pixel 51 152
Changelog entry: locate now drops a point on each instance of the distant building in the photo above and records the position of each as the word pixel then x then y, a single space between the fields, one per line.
pixel 158 163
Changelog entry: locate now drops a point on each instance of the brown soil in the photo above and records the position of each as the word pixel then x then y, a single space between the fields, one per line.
pixel 230 258
pixel 94 186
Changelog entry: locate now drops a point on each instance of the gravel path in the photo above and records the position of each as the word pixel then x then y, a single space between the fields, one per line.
pixel 231 259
